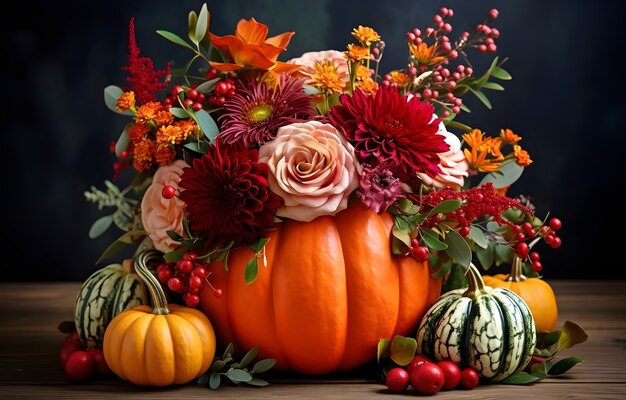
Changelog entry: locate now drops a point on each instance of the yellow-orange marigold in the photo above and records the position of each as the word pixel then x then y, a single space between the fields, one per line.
pixel 399 78
pixel 148 111
pixel 365 35
pixel 126 101
pixel 138 132
pixel 143 152
pixel 509 137
pixel 356 53
pixel 326 78
pixel 164 155
pixel 163 118
pixel 521 156
pixel 368 86
pixel 362 72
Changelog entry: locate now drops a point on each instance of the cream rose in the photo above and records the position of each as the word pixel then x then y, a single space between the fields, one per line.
pixel 309 59
pixel 453 165
pixel 312 167
pixel 159 214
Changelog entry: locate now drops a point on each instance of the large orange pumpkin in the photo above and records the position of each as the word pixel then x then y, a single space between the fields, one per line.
pixel 329 290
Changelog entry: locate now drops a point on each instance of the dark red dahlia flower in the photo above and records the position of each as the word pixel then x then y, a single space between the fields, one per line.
pixel 227 195
pixel 387 129
pixel 254 114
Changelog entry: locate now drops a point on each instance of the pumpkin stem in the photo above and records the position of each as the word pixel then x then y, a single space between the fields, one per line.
pixel 517 274
pixel 128 266
pixel 156 292
pixel 476 285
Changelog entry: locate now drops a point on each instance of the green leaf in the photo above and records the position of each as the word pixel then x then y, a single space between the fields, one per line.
pixel 202 24
pixel 460 126
pixel 458 249
pixel 478 236
pixel 180 112
pixel 174 235
pixel 217 365
pixel 503 254
pixel 174 255
pixel 207 125
pixel 215 380
pixel 238 375
pixel 402 236
pixel 521 378
pixel 174 38
pixel 456 279
pixel 192 20
pixel 509 172
pixel 198 147
pixel 547 339
pixel 478 83
pixel 443 270
pixel 481 96
pixel 407 206
pixel 111 94
pixel 571 334
pixel 501 73
pixel 263 365
pixel 207 86
pixel 310 90
pixel 445 206
pixel 249 357
pixel 403 349
pixel 251 271
pixel 492 86
pixel 203 380
pixel 564 365
pixel 113 248
pixel 228 351
pixel 122 141
pixel 485 256
pixel 382 348
pixel 259 244
pixel 431 239
pixel 257 382
pixel 100 226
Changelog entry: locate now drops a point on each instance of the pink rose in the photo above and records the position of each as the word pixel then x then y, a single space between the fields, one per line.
pixel 454 166
pixel 312 167
pixel 310 59
pixel 159 214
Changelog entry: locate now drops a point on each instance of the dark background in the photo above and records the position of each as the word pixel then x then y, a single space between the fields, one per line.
pixel 566 99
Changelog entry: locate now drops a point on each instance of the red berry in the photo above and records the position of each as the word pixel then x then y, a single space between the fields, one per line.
pixel 199 272
pixel 427 378
pixel 197 106
pixel 543 230
pixel 415 242
pixel 79 366
pixel 536 266
pixel 420 253
pixel 451 373
pixel 101 365
pixel 168 191
pixel 556 242
pixel 521 249
pixel 191 300
pixel 534 256
pixel 175 284
pixel 464 231
pixel 520 237
pixel 185 266
pixel 397 379
pixel 218 293
pixel 555 224
pixel 417 360
pixel 549 238
pixel 164 274
pixel 469 378
pixel 192 94
pixel 527 227
pixel 195 282
pixel 187 102
pixel 71 344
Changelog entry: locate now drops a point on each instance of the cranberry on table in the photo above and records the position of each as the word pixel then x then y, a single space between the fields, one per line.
pixel 397 379
pixel 469 378
pixel 427 378
pixel 418 359
pixel 451 374
pixel 79 366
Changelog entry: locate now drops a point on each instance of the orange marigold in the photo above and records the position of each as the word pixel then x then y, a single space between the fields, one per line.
pixel 399 78
pixel 188 127
pixel 164 155
pixel 126 101
pixel 521 156
pixel 362 72
pixel 148 111
pixel 163 117
pixel 326 78
pixel 425 55
pixel 368 86
pixel 169 134
pixel 494 146
pixel 365 35
pixel 509 137
pixel 475 139
pixel 143 152
pixel 138 132
pixel 356 53
pixel 478 160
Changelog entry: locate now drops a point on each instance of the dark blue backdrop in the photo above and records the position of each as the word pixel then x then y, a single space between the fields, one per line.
pixel 566 99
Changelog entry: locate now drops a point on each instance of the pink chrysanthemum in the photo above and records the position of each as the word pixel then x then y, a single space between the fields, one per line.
pixel 227 195
pixel 378 188
pixel 385 128
pixel 254 114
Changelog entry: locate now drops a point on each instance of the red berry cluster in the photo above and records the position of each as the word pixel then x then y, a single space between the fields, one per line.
pixel 526 231
pixel 418 251
pixel 428 377
pixel 185 276
pixel 224 89
pixel 80 363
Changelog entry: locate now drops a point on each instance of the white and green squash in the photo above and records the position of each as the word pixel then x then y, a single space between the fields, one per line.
pixel 489 329
pixel 103 295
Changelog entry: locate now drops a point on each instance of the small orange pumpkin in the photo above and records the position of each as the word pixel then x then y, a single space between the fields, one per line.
pixel 327 291
pixel 160 346
pixel 536 292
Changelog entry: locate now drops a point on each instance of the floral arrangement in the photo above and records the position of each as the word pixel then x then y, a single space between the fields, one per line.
pixel 244 141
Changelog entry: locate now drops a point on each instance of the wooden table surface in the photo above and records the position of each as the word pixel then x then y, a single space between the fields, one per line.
pixel 30 342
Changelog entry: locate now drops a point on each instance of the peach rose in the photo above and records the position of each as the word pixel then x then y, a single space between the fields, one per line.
pixel 453 164
pixel 309 59
pixel 312 167
pixel 159 214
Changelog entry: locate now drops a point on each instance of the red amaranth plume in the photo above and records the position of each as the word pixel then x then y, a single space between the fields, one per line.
pixel 143 79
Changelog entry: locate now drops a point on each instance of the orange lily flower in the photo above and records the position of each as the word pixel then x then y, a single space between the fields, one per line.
pixel 425 55
pixel 250 48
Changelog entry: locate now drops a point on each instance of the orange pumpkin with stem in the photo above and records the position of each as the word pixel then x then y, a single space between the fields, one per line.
pixel 327 291
pixel 536 292
pixel 159 346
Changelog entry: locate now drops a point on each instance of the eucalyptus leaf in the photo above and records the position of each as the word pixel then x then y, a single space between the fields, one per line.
pixel 403 349
pixel 202 24
pixel 485 256
pixel 506 175
pixel 501 73
pixel 521 378
pixel 503 254
pixel 481 96
pixel 207 125
pixel 100 226
pixel 228 351
pixel 564 365
pixel 310 90
pixel 407 206
pixel 192 19
pixel 215 380
pixel 478 236
pixel 174 38
pixel 180 112
pixel 443 270
pixel 198 147
pixel 207 86
pixel 111 94
pixel 249 357
pixel 122 141
pixel 263 365
pixel 456 279
pixel 571 334
pixel 431 239
pixel 217 365
pixel 111 250
pixel 238 375
pixel 251 271
pixel 458 249
pixel 257 382
pixel 203 380
pixel 382 348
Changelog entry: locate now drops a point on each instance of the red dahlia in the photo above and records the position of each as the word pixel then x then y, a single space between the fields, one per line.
pixel 387 129
pixel 227 195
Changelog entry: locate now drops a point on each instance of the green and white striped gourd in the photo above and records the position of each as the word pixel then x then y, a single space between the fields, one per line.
pixel 489 329
pixel 106 293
